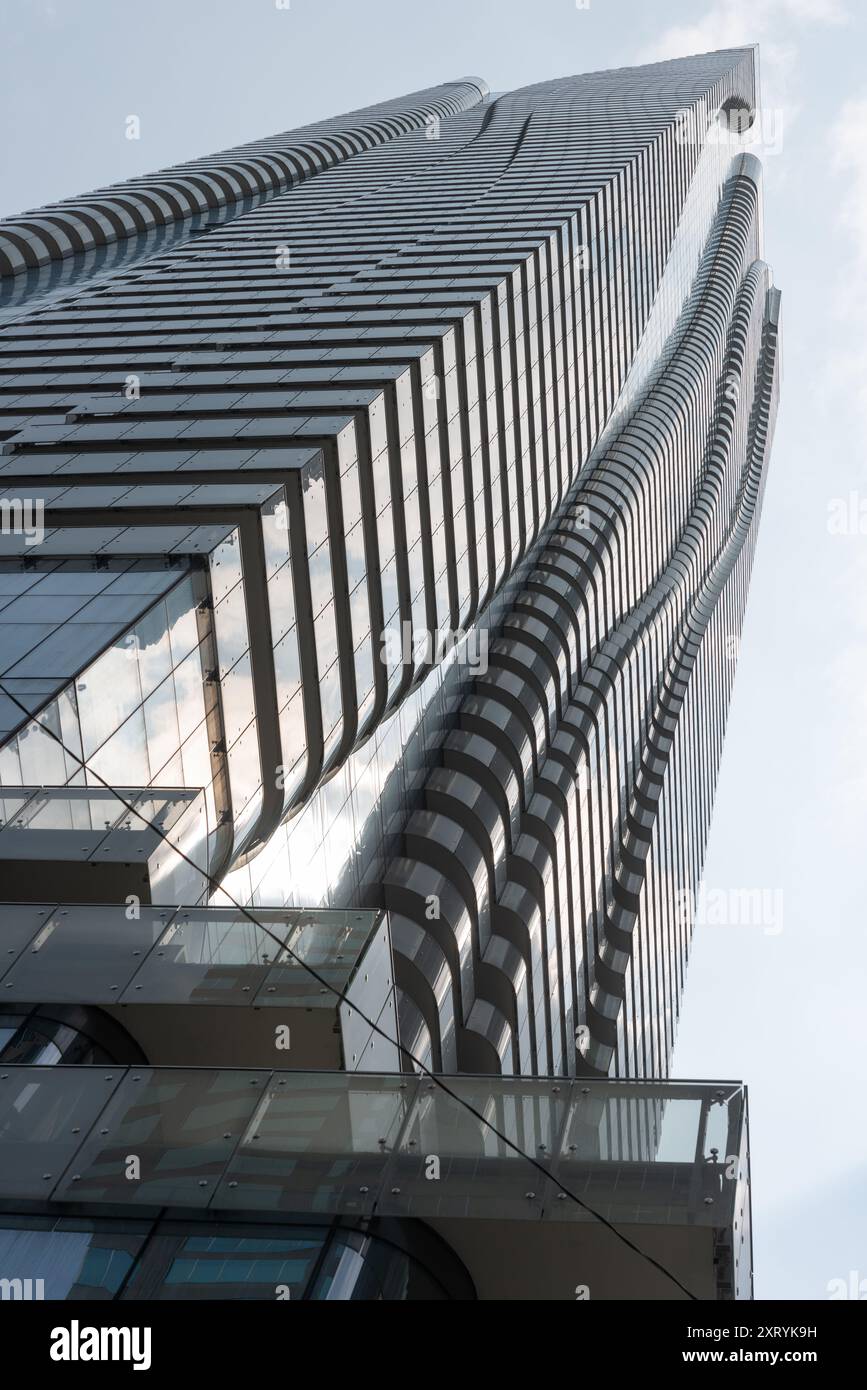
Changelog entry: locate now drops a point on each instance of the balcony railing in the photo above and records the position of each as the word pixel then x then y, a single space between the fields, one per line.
pixel 107 954
pixel 390 1144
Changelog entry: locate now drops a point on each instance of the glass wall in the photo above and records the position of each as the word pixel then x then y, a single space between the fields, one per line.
pixel 72 1259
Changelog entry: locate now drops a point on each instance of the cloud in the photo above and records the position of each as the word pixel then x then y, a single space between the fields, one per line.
pixel 845 368
pixel 843 398
pixel 848 149
pixel 735 23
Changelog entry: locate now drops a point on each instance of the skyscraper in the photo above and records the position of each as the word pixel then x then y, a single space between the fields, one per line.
pixel 379 501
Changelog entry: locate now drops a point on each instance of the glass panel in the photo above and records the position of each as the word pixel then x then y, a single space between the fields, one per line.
pixel 73 1264
pixel 181 1125
pixel 357 1268
pixel 43 1113
pixel 474 1165
pixel 18 926
pixel 154 650
pixel 123 758
pixel 230 624
pixel 230 1266
pixel 10 805
pixel 83 955
pixel 327 938
pixel 716 1132
pixel 160 811
pixel 108 692
pixel 73 808
pixel 208 956
pixel 225 566
pixel 678 1130
pixel 161 726
pixel 42 759
pixel 317 1143
pixel 183 629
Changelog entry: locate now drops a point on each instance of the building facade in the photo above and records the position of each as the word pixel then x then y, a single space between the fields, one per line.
pixel 379 503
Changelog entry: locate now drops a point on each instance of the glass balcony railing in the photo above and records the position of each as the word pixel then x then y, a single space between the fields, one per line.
pixel 107 954
pixel 87 835
pixel 359 1144
pixel 89 810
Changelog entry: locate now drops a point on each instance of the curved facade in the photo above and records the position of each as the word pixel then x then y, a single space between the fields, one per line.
pixel 548 820
pixel 208 187
pixel 379 502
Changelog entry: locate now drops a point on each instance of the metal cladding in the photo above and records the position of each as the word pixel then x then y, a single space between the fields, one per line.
pixel 243 175
pixel 402 502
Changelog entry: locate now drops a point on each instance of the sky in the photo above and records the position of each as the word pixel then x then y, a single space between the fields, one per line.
pixel 779 1004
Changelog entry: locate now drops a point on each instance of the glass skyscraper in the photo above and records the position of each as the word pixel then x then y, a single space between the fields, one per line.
pixel 379 501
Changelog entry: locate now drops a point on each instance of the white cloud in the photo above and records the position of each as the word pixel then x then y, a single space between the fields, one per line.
pixel 734 23
pixel 848 149
pixel 845 367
